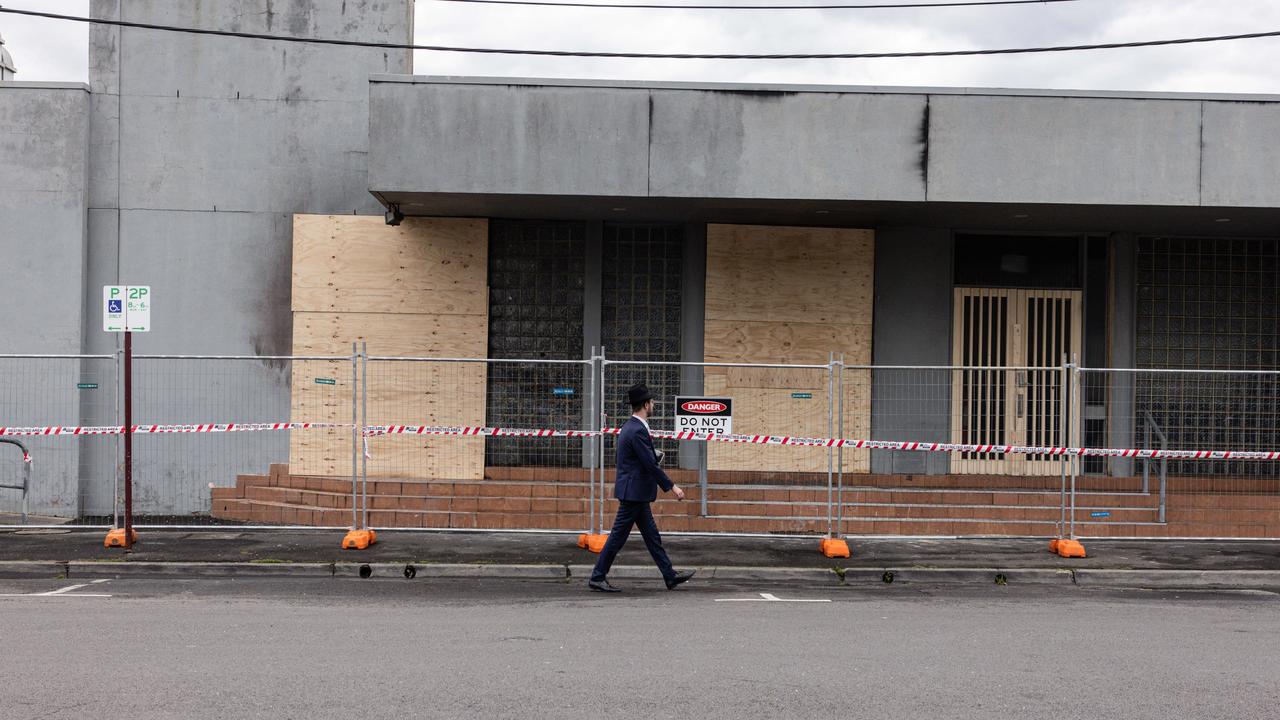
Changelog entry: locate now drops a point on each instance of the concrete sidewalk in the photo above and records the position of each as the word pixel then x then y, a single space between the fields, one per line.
pixel 227 551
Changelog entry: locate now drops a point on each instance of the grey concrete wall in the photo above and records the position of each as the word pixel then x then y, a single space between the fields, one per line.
pixel 1241 154
pixel 673 140
pixel 912 326
pixel 203 148
pixel 785 145
pixel 1064 150
pixel 44 145
pixel 1122 353
pixel 515 140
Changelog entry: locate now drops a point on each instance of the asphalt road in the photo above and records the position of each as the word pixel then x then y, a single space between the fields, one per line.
pixel 350 648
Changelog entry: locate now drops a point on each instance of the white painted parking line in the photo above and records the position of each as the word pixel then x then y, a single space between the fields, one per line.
pixel 63 592
pixel 770 597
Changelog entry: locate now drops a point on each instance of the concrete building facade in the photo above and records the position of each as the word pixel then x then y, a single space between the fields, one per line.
pixel 250 182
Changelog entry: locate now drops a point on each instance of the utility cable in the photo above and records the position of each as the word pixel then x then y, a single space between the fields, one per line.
pixel 861 6
pixel 641 55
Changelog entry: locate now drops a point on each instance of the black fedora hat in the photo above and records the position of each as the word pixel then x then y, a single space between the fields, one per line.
pixel 639 394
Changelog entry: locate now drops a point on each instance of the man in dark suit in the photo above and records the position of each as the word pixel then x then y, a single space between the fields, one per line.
pixel 639 477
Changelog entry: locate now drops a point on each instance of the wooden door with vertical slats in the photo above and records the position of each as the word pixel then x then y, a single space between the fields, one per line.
pixel 1012 344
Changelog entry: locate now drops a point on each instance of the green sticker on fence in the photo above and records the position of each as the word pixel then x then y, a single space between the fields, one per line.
pixel 801 396
pixel 86 386
pixel 326 381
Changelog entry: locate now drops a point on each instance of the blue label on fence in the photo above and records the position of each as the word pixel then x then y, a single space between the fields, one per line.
pixel 326 381
pixel 86 386
pixel 801 396
pixel 1099 514
pixel 562 391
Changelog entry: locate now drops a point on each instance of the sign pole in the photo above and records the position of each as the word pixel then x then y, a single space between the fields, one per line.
pixel 126 309
pixel 702 476
pixel 128 441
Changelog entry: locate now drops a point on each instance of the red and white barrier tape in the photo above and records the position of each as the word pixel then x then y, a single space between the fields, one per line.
pixel 781 440
pixel 786 440
pixel 159 429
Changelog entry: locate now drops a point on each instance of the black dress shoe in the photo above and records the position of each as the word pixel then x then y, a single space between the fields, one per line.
pixel 602 586
pixel 680 577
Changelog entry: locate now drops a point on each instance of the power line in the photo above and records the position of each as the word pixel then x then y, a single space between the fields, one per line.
pixel 863 6
pixel 645 56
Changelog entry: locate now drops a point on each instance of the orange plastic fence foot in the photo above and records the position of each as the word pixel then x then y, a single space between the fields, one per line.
pixel 834 548
pixel 1067 548
pixel 115 538
pixel 592 543
pixel 359 539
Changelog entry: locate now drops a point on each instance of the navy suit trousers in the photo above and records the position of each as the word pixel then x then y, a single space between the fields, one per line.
pixel 633 513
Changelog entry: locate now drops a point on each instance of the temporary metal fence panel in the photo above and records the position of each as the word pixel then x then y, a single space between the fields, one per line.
pixel 234 433
pixel 482 443
pixel 749 485
pixel 1200 415
pixel 977 491
pixel 71 475
pixel 432 463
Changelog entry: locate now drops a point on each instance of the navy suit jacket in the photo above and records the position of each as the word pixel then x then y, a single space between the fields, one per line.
pixel 639 475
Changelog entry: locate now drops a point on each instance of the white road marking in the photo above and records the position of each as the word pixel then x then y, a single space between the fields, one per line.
pixel 770 597
pixel 63 592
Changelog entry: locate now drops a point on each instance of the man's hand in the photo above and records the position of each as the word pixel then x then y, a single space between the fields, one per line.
pixel 675 489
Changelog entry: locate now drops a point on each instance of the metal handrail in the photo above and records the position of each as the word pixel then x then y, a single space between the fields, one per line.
pixel 1149 424
pixel 26 475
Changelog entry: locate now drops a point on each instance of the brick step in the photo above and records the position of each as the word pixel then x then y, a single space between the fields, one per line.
pixel 512 479
pixel 1225 502
pixel 260 512
pixel 1000 497
pixel 997 512
pixel 851 482
pixel 748 502
pixel 1222 516
pixel 255 511
pixel 720 492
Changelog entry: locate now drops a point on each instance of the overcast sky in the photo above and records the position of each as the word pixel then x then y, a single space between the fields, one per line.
pixel 55 50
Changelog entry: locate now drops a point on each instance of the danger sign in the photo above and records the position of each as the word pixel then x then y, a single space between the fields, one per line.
pixel 705 415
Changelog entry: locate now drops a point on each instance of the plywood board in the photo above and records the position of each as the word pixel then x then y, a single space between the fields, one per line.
pixel 785 342
pixel 792 296
pixel 761 411
pixel 792 274
pixel 795 379
pixel 417 290
pixel 395 335
pixel 349 263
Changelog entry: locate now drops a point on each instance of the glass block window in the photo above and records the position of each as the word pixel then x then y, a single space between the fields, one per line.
pixel 1211 304
pixel 640 319
pixel 536 280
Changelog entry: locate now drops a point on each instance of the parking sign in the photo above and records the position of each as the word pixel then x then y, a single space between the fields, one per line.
pixel 126 308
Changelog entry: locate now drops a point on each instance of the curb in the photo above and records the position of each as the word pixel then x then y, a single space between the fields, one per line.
pixel 959 576
pixel 1179 579
pixel 25 568
pixel 454 570
pixel 205 569
pixel 853 576
pixel 770 574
